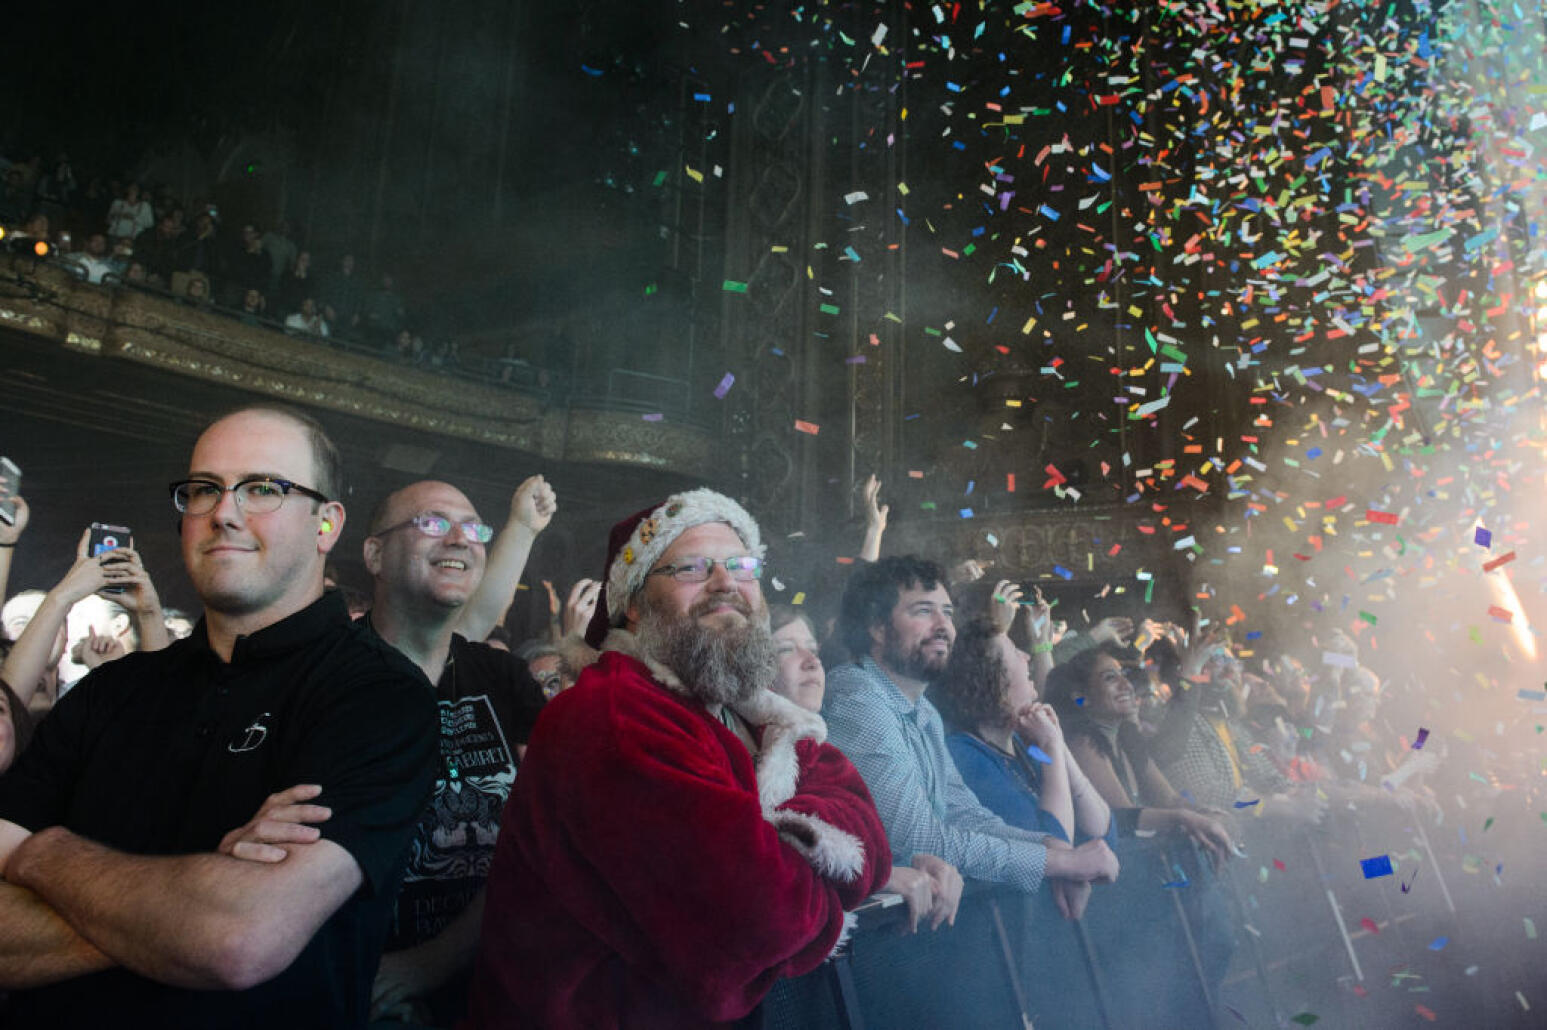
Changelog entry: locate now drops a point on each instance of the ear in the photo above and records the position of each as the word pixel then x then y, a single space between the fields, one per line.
pixel 330 526
pixel 877 635
pixel 372 555
pixel 631 613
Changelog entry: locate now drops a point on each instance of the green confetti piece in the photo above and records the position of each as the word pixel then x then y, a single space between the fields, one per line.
pixel 1149 591
pixel 1306 1018
pixel 732 286
pixel 829 309
pixel 1367 617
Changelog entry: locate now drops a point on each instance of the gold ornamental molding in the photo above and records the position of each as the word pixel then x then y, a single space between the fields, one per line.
pixel 128 325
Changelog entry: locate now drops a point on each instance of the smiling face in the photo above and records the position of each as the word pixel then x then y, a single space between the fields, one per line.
pixel 719 600
pixel 916 642
pixel 417 572
pixel 713 635
pixel 801 677
pixel 1108 694
pixel 266 565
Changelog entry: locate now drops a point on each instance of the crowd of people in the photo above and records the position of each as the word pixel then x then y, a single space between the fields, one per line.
pixel 123 232
pixel 330 807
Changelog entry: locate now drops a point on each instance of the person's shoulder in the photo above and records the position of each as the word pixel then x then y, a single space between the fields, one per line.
pixel 850 680
pixel 369 656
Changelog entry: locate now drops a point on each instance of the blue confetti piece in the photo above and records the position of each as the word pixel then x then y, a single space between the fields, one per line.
pixel 1065 573
pixel 1483 537
pixel 1039 754
pixel 1532 695
pixel 1380 865
pixel 1248 804
pixel 1438 943
pixel 725 386
pixel 593 72
pixel 966 513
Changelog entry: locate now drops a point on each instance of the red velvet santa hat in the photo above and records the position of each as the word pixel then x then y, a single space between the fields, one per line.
pixel 638 542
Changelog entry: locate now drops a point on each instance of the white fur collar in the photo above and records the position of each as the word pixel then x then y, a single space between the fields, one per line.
pixel 783 723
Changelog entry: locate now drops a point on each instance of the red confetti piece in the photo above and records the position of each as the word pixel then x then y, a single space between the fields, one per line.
pixel 1279 865
pixel 1010 482
pixel 807 427
pixel 1503 559
pixel 1369 924
pixel 1425 1012
pixel 1385 517
pixel 1501 613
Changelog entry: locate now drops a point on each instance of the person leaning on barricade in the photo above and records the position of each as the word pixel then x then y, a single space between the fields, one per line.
pixel 129 900
pixel 931 887
pixel 679 837
pixel 896 616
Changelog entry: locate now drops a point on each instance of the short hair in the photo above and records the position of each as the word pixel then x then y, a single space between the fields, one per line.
pixel 976 683
pixel 535 648
pixel 872 594
pixel 781 615
pixel 327 463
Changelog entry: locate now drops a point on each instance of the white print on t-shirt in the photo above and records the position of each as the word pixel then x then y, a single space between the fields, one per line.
pixel 456 837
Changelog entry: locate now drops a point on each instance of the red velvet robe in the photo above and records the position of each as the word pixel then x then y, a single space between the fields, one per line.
pixel 647 875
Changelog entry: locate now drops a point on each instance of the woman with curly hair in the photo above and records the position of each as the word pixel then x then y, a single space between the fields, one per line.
pixel 1009 747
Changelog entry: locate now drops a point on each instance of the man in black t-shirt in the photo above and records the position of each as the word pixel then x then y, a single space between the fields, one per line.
pixel 426 552
pixel 128 899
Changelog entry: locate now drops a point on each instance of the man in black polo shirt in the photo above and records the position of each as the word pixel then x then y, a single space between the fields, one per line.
pixel 123 905
pixel 426 552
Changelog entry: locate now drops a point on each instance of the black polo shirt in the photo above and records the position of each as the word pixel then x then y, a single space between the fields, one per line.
pixel 164 753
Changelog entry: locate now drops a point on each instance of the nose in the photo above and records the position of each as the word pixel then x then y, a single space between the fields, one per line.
pixel 808 658
pixel 228 510
pixel 720 579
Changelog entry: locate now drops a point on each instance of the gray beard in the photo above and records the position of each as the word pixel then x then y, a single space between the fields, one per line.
pixel 719 666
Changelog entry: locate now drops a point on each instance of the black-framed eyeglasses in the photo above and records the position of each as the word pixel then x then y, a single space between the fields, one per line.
pixel 255 496
pixel 438 526
pixel 745 567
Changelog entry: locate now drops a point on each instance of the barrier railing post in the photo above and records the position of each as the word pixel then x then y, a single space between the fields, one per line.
pixel 1192 945
pixel 1332 903
pixel 845 995
pixel 1239 905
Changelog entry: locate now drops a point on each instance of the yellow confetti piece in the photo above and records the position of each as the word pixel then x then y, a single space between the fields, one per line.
pixel 799 598
pixel 693 173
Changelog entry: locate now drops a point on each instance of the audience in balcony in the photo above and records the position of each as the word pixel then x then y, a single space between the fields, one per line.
pixel 129 215
pixel 308 320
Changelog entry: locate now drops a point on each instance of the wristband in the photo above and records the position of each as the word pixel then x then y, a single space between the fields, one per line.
pixel 1043 648
pixel 11 544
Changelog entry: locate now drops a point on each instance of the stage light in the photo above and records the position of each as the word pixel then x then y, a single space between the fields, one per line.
pixel 40 248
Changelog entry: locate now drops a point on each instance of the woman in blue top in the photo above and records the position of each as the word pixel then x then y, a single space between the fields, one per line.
pixel 1008 746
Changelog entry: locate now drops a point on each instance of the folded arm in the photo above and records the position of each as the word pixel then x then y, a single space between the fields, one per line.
pixel 198 921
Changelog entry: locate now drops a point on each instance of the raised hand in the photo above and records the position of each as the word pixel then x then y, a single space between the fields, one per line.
pixel 533 504
pixel 581 605
pixel 1004 605
pixel 875 512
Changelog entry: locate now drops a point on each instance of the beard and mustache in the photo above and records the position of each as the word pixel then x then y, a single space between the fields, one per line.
pixel 723 665
pixel 914 663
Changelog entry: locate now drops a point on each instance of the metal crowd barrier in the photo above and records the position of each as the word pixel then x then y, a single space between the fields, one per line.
pixel 1293 929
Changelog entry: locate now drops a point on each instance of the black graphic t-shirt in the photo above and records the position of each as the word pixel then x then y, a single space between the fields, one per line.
pixel 488 704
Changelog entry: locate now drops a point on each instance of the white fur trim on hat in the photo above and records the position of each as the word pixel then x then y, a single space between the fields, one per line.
pixel 655 533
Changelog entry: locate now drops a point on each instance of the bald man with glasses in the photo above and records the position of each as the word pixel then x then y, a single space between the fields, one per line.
pixel 129 899
pixel 427 552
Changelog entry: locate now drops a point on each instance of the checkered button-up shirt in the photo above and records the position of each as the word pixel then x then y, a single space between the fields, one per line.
pixel 899 748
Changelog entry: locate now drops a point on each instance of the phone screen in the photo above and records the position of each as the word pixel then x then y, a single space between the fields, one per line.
pixel 10 483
